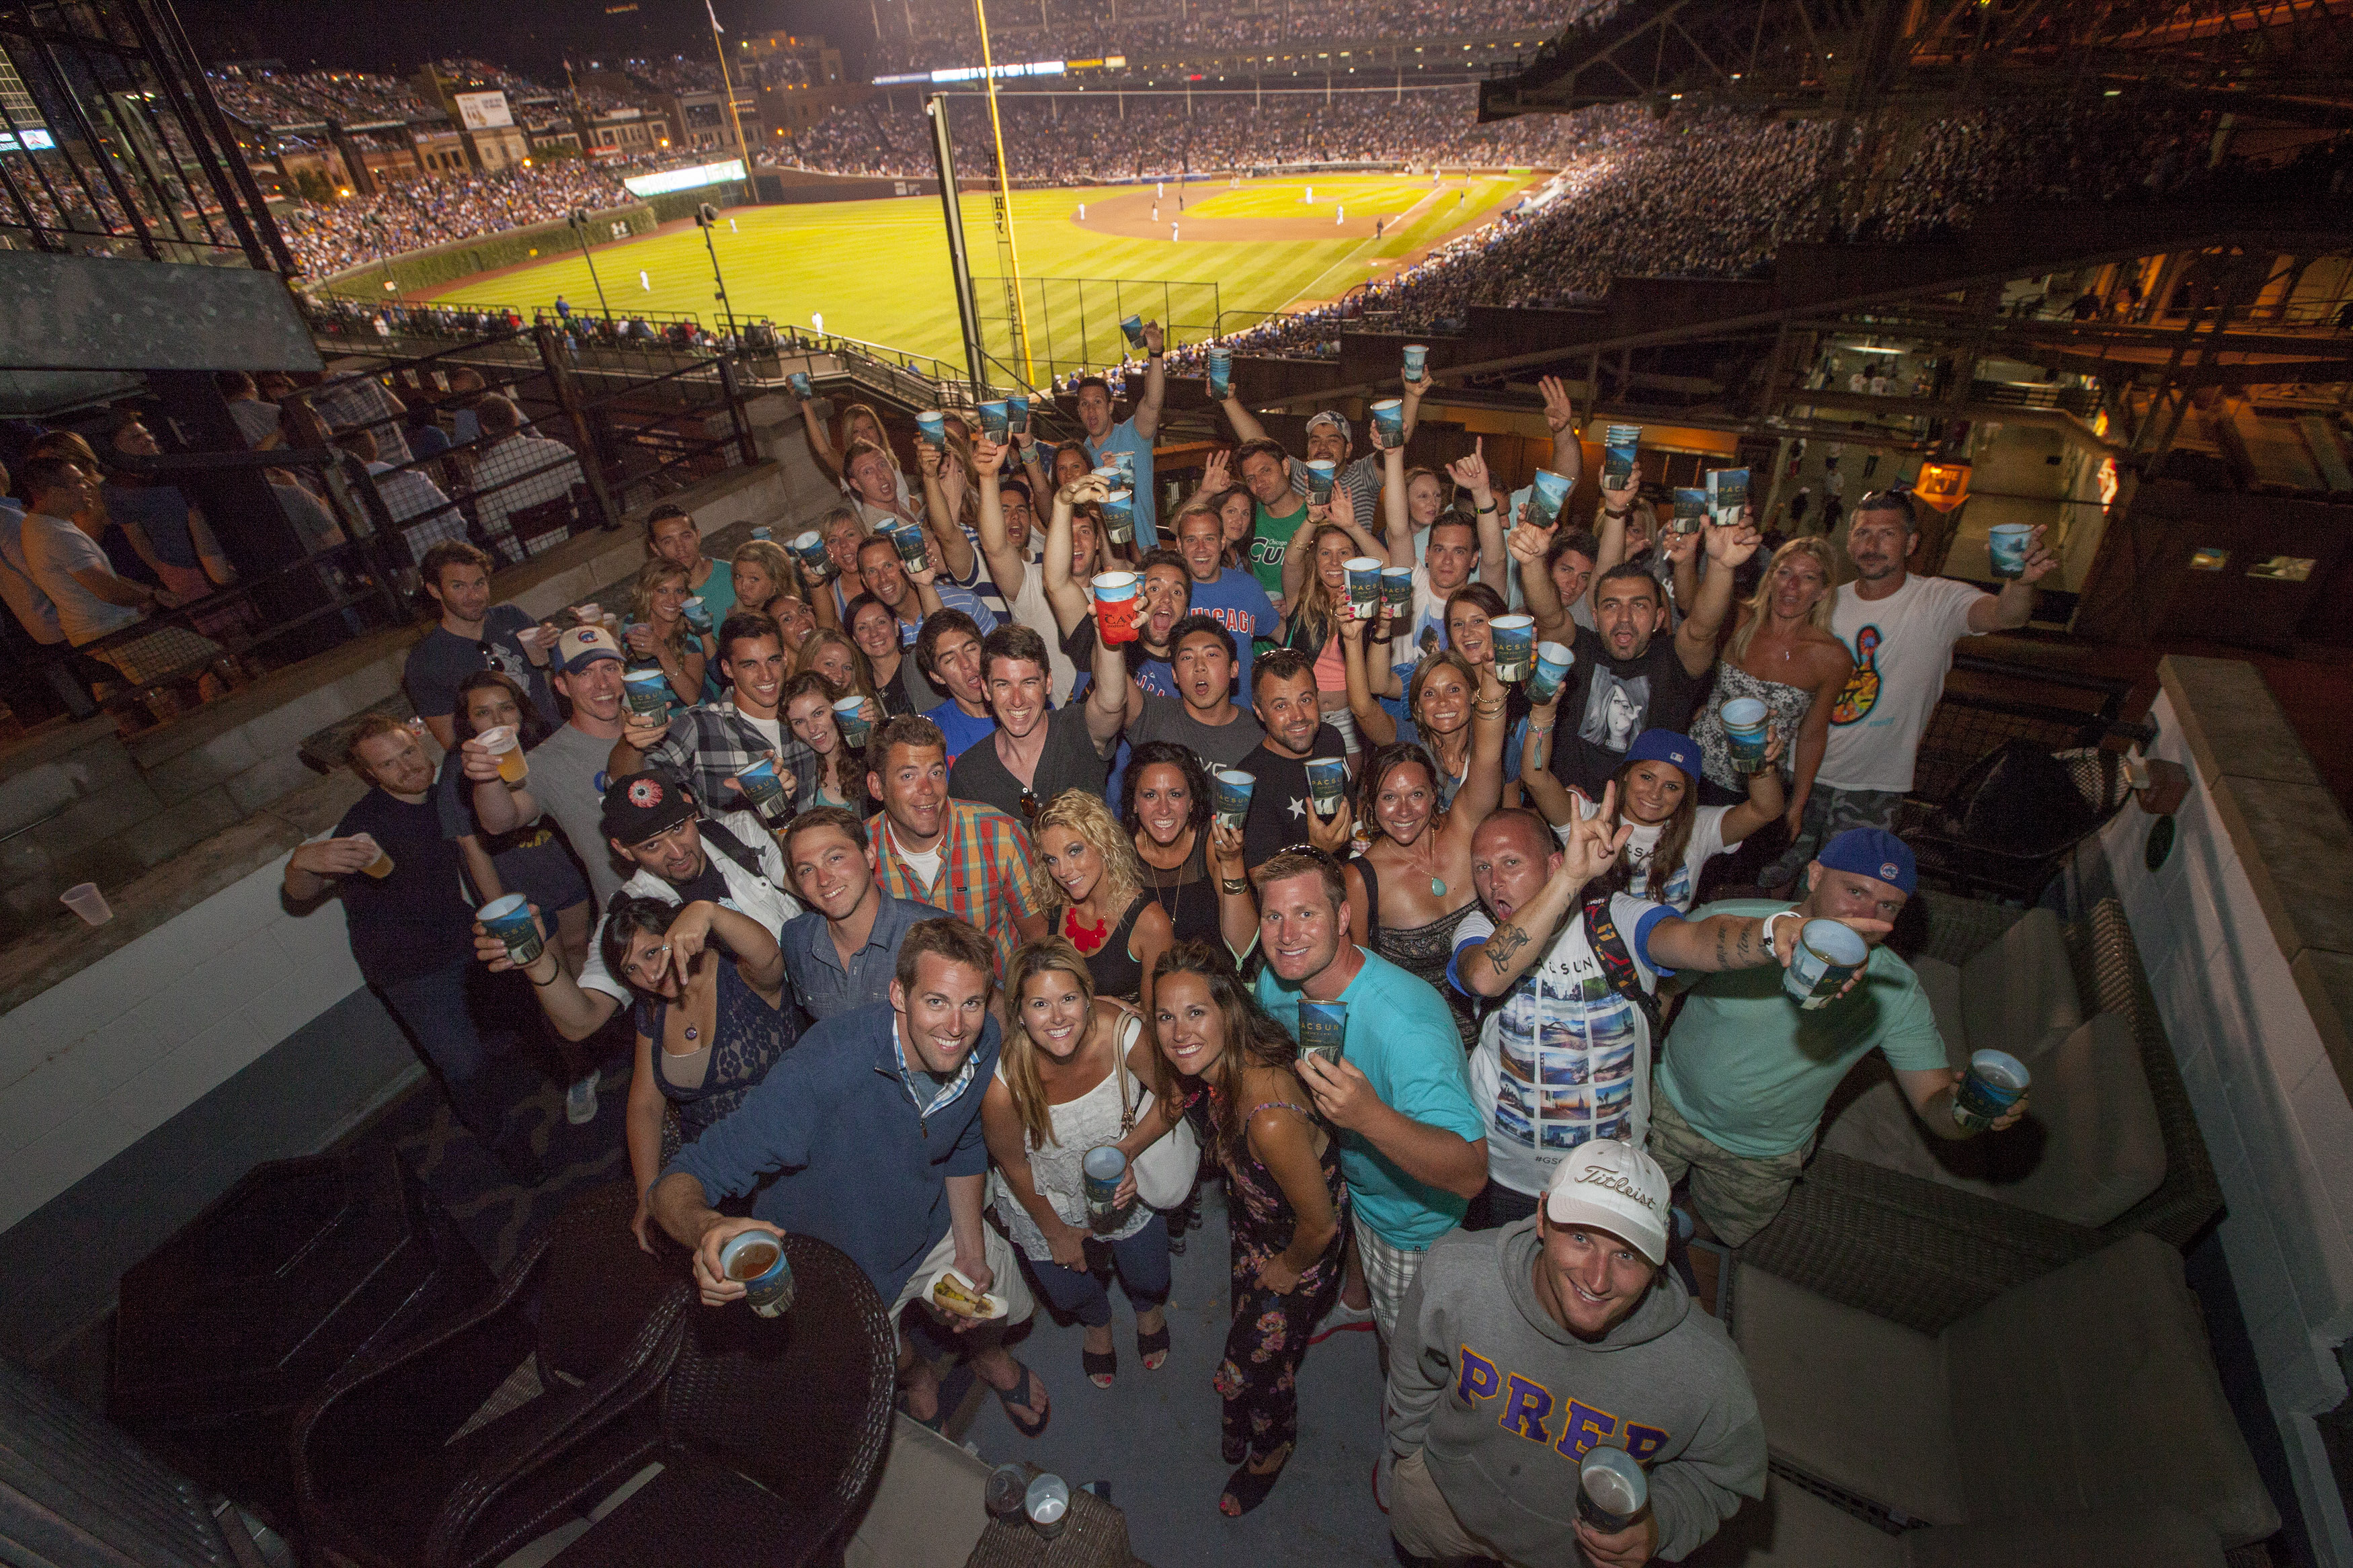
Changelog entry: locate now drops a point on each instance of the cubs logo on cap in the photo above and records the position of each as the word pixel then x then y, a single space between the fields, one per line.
pixel 580 646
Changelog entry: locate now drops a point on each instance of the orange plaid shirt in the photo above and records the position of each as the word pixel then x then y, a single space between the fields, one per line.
pixel 986 875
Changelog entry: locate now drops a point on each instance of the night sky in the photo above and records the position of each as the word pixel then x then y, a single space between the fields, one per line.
pixel 530 36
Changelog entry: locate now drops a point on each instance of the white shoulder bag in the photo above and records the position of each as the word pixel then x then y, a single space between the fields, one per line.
pixel 1164 1170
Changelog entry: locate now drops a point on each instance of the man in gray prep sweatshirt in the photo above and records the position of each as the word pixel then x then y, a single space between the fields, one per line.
pixel 1519 1348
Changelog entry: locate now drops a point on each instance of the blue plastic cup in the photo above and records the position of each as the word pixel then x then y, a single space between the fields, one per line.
pixel 1221 373
pixel 850 717
pixel 1322 475
pixel 816 564
pixel 1827 953
pixel 697 613
pixel 509 919
pixel 800 384
pixel 1230 793
pixel 1327 782
pixel 1551 495
pixel 647 692
pixel 762 788
pixel 1365 587
pixel 933 426
pixel 1322 1029
pixel 1416 356
pixel 1621 444
pixel 1553 662
pixel 1388 422
pixel 1397 590
pixel 1515 645
pixel 2007 543
pixel 1102 1169
pixel 1017 415
pixel 1119 516
pixel 913 551
pixel 997 422
pixel 1134 327
pixel 764 533
pixel 1745 737
pixel 1611 1490
pixel 1728 494
pixel 757 1258
pixel 1125 461
pixel 1990 1087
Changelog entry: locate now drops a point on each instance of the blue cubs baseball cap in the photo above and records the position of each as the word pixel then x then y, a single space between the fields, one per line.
pixel 1666 746
pixel 1872 852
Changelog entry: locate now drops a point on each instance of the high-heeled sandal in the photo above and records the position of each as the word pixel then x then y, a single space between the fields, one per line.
pixel 1247 1487
pixel 1152 1345
pixel 1101 1366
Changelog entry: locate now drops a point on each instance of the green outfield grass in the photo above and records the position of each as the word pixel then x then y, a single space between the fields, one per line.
pixel 878 270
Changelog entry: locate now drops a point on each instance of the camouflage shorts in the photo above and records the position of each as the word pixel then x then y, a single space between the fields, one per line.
pixel 1736 1194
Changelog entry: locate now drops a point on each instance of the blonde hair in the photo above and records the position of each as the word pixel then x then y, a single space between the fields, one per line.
pixel 777 562
pixel 827 637
pixel 1811 544
pixel 1017 1059
pixel 1088 817
pixel 1318 612
pixel 652 575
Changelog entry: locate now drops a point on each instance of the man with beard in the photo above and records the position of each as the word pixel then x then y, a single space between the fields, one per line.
pixel 702 748
pixel 1901 629
pixel 680 855
pixel 1329 440
pixel 1035 751
pixel 867 1135
pixel 970 860
pixel 1282 694
pixel 1133 435
pixel 1411 1143
pixel 1627 678
pixel 1165 598
pixel 842 952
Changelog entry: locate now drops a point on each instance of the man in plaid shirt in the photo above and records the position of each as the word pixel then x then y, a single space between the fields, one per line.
pixel 970 860
pixel 705 746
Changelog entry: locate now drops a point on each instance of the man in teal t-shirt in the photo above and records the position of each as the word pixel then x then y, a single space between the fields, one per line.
pixel 1739 1092
pixel 1412 1144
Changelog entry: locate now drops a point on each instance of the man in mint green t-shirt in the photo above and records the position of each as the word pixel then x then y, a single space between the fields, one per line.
pixel 1412 1145
pixel 1739 1092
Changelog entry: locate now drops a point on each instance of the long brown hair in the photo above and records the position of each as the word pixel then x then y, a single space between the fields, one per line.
pixel 1252 1039
pixel 848 761
pixel 827 637
pixel 652 575
pixel 1017 1059
pixel 1674 837
pixel 1316 617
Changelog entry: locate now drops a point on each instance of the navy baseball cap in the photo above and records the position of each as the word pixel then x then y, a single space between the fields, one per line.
pixel 1872 852
pixel 1666 746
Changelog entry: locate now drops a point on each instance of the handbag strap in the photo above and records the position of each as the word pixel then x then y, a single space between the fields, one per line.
pixel 1119 1047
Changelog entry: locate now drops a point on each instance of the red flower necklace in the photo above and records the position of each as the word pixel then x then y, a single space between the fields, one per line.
pixel 1086 939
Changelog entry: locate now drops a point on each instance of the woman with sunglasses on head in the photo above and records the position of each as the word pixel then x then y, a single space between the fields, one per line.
pixel 1286 1202
pixel 1782 653
pixel 711 1019
pixel 839 776
pixel 1457 714
pixel 1073 1076
pixel 1094 890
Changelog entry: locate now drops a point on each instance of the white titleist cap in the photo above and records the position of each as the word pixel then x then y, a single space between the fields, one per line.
pixel 1612 1187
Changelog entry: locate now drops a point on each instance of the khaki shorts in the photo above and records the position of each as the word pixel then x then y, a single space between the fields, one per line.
pixel 1010 1282
pixel 1423 1522
pixel 1736 1194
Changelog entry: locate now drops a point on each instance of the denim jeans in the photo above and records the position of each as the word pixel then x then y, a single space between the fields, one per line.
pixel 1142 1260
pixel 452 1016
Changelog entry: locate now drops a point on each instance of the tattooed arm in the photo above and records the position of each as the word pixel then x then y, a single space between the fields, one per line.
pixel 1734 941
pixel 1523 934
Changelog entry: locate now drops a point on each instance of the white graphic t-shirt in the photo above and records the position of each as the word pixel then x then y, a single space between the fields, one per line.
pixel 1564 1058
pixel 1706 843
pixel 1903 644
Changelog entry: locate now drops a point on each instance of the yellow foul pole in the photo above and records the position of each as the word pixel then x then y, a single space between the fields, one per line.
pixel 1005 199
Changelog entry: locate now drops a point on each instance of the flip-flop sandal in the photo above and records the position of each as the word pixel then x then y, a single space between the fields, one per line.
pixel 1101 1366
pixel 951 1390
pixel 1154 1343
pixel 1024 1395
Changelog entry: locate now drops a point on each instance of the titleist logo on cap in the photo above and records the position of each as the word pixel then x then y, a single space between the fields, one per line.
pixel 1593 1176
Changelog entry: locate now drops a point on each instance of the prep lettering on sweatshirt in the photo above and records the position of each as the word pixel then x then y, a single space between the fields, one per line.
pixel 1527 1405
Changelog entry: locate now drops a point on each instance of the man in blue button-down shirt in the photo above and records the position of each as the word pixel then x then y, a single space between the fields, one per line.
pixel 843 954
pixel 873 1125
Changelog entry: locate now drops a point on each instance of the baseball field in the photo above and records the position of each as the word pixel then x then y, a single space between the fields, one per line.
pixel 878 270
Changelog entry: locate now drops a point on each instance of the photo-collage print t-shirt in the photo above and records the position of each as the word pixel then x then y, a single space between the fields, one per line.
pixel 1609 701
pixel 1564 1058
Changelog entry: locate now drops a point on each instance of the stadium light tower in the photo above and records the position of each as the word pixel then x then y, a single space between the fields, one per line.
pixel 579 221
pixel 706 219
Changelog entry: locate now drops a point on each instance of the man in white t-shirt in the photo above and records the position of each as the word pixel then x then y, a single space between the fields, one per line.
pixel 1565 1054
pixel 1901 629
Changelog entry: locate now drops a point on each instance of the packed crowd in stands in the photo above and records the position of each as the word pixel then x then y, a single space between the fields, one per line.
pixel 261 97
pixel 1351 902
pixel 330 236
pixel 941 35
pixel 1079 142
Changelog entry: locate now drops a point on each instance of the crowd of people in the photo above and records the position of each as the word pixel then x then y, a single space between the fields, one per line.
pixel 259 96
pixel 1076 140
pixel 328 237
pixel 940 36
pixel 967 887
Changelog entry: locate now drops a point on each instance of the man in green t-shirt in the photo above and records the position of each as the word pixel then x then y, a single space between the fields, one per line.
pixel 1739 1092
pixel 1265 472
